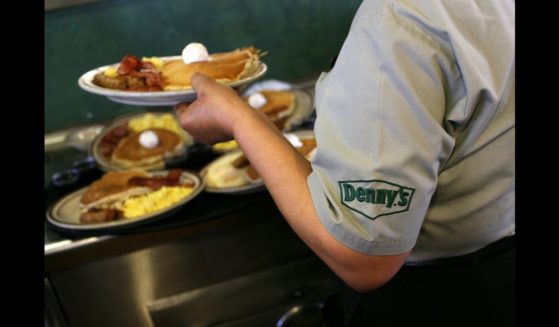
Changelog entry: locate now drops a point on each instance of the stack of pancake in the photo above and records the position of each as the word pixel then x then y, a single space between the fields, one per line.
pixel 120 146
pixel 224 67
pixel 279 106
pixel 153 74
pixel 129 153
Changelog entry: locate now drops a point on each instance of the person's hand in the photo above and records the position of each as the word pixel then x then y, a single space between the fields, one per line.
pixel 211 117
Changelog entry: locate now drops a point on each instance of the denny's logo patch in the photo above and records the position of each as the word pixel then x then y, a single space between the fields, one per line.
pixel 375 198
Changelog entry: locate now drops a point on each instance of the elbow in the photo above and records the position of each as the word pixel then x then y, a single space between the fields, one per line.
pixel 371 272
pixel 366 281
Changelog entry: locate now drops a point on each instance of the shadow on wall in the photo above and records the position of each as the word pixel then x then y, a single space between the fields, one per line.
pixel 300 37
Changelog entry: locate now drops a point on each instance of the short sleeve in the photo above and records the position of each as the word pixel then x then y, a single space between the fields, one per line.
pixel 380 133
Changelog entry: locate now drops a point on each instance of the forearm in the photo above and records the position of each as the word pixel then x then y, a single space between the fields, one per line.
pixel 284 171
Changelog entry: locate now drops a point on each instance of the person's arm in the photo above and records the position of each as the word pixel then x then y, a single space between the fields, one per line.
pixel 284 171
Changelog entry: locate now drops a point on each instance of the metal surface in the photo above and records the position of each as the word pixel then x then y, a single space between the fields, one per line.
pixel 307 315
pixel 251 300
pixel 108 284
pixel 66 245
pixel 78 138
pixel 54 315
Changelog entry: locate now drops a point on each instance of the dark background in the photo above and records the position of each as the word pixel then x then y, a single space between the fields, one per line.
pixel 300 36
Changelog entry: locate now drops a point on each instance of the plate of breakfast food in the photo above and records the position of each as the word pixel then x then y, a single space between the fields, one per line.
pixel 144 140
pixel 232 172
pixel 165 81
pixel 285 108
pixel 121 199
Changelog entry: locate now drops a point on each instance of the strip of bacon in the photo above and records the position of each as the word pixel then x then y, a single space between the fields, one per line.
pixel 127 64
pixel 157 182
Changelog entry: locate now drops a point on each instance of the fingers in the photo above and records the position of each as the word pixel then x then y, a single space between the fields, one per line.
pixel 181 107
pixel 200 82
pixel 181 110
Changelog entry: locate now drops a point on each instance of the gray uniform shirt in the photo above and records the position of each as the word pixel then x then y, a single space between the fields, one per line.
pixel 415 129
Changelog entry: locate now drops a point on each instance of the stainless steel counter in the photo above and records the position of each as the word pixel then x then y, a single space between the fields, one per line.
pixel 137 279
pixel 243 266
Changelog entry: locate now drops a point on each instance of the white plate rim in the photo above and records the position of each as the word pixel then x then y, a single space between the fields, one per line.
pixel 303 109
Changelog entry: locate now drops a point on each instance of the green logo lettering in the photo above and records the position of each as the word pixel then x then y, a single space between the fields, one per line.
pixel 391 197
pixel 360 194
pixel 370 195
pixel 375 198
pixel 403 197
pixel 381 196
pixel 349 192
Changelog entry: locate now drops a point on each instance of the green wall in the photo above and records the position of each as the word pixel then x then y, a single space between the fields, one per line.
pixel 300 36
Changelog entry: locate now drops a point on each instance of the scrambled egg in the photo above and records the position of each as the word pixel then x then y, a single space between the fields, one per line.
pixel 111 72
pixel 166 121
pixel 156 61
pixel 153 201
pixel 225 146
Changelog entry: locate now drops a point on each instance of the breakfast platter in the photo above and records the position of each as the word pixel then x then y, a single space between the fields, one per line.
pixel 285 114
pixel 119 145
pixel 161 98
pixel 221 176
pixel 68 213
pixel 232 173
pixel 165 81
pixel 303 109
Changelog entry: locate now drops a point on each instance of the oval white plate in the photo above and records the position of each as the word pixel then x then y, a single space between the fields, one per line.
pixel 103 162
pixel 249 186
pixel 153 98
pixel 303 109
pixel 65 213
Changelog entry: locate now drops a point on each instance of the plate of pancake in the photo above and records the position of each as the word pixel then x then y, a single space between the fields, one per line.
pixel 165 81
pixel 232 173
pixel 285 108
pixel 124 199
pixel 121 145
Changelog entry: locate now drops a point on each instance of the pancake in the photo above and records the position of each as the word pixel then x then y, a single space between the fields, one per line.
pixel 129 153
pixel 223 67
pixel 279 106
pixel 111 187
pixel 307 147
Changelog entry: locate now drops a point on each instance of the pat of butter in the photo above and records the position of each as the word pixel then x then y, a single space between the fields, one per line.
pixel 195 52
pixel 149 139
pixel 294 140
pixel 257 100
